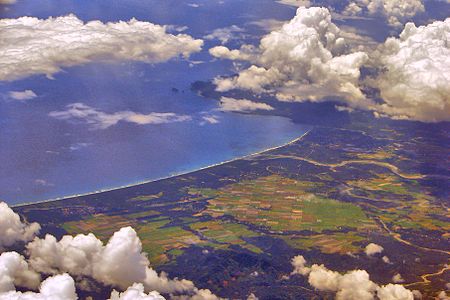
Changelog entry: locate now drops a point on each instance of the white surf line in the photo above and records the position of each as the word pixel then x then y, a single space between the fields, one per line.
pixel 162 178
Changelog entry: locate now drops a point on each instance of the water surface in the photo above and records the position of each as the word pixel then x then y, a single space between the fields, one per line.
pixel 42 157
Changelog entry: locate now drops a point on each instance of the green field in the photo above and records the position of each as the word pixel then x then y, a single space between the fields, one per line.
pixel 336 243
pixel 282 204
pixel 414 208
pixel 223 235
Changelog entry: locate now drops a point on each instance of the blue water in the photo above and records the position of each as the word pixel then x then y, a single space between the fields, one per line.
pixel 43 158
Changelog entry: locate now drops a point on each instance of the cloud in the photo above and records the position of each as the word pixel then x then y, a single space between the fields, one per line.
pixel 176 28
pixel 268 24
pixel 43 182
pixel 245 53
pixel 394 292
pixel 136 292
pixel 397 278
pixel 120 262
pixel 372 249
pixel 299 264
pixel 22 95
pixel 78 146
pixel 62 287
pixel 209 120
pixel 242 105
pixel 306 59
pixel 102 120
pixel 225 34
pixel 353 285
pixel 12 229
pixel 296 3
pixel 25 44
pixel 14 271
pixel 386 260
pixel 252 297
pixel 417 294
pixel 199 295
pixel 310 58
pixel 414 82
pixel 59 287
pixel 397 12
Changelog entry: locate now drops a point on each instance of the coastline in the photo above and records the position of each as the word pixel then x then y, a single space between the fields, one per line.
pixel 161 178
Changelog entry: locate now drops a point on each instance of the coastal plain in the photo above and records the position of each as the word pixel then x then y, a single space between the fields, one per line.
pixel 325 196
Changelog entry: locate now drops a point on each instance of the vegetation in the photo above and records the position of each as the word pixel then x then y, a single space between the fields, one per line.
pixel 282 204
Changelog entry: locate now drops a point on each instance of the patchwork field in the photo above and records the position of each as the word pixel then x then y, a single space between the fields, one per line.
pixel 326 198
pixel 337 243
pixel 103 226
pixel 412 208
pixel 223 235
pixel 282 204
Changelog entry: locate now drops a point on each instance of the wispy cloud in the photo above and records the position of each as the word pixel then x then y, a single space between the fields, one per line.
pixel 43 182
pixel 101 120
pixel 225 34
pixel 78 146
pixel 295 3
pixel 209 120
pixel 268 24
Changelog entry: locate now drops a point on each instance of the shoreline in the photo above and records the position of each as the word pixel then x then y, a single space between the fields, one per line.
pixel 161 178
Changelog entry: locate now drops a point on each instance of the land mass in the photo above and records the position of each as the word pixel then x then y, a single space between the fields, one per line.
pixel 234 227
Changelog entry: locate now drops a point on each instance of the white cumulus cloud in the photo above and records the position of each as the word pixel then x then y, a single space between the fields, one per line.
pixel 394 292
pixel 102 120
pixel 397 278
pixel 397 12
pixel 25 51
pixel 310 58
pixel 415 79
pixel 353 285
pixel 120 262
pixel 136 292
pixel 59 287
pixel 372 249
pixel 14 271
pixel 242 105
pixel 12 229
pixel 306 59
pixel 386 260
pixel 199 295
